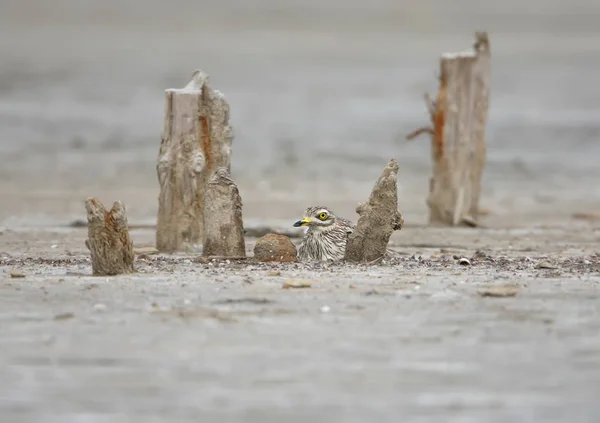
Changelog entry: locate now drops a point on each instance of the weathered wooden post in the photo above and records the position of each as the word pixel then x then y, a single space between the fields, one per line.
pixel 458 117
pixel 223 223
pixel 196 142
pixel 379 218
pixel 108 239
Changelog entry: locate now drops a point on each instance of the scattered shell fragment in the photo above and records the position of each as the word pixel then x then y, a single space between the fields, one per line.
pixel 294 283
pixel 145 251
pixel 16 274
pixel 545 265
pixel 470 221
pixel 325 309
pixel 498 291
pixel 274 273
pixel 463 261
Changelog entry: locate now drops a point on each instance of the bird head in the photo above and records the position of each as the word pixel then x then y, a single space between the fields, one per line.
pixel 317 218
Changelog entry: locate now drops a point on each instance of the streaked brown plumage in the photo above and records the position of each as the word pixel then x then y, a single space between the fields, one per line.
pixel 326 236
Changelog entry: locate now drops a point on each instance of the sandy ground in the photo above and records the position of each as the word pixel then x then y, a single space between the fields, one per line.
pixel 413 338
pixel 321 94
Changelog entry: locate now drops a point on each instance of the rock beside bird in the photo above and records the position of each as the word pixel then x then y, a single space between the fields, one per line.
pixel 274 247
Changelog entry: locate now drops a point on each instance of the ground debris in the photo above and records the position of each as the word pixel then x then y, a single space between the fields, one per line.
pixel 189 313
pixel 463 261
pixel 16 274
pixel 546 265
pixel 294 283
pixel 498 291
pixel 145 251
pixel 374 291
pixel 244 300
pixel 205 260
pixel 64 316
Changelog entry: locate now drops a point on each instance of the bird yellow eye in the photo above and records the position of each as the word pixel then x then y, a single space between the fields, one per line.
pixel 323 216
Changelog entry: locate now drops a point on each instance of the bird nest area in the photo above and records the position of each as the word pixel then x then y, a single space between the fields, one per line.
pixel 428 260
pixel 50 274
pixel 417 255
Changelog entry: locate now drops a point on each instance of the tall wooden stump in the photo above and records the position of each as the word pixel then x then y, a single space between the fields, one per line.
pixel 223 224
pixel 459 116
pixel 379 218
pixel 196 141
pixel 108 239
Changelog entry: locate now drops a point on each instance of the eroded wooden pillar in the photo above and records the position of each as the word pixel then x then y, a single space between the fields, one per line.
pixel 108 239
pixel 379 218
pixel 223 223
pixel 459 117
pixel 196 142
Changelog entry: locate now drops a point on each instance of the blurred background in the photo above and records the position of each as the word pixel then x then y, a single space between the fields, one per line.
pixel 322 94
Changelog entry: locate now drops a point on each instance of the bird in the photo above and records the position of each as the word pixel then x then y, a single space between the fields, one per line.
pixel 326 236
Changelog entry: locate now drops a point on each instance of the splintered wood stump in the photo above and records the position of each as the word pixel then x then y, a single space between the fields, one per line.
pixel 223 224
pixel 459 116
pixel 108 239
pixel 379 218
pixel 196 142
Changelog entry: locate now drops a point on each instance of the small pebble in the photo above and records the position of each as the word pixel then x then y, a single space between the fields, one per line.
pixel 100 307
pixel 64 316
pixel 146 251
pixel 545 265
pixel 16 274
pixel 54 246
pixel 498 291
pixel 325 309
pixel 274 273
pixel 297 284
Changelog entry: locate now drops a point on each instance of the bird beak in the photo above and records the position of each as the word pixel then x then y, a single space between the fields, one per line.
pixel 303 222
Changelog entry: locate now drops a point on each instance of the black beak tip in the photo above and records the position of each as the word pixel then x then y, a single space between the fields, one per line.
pixel 298 223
